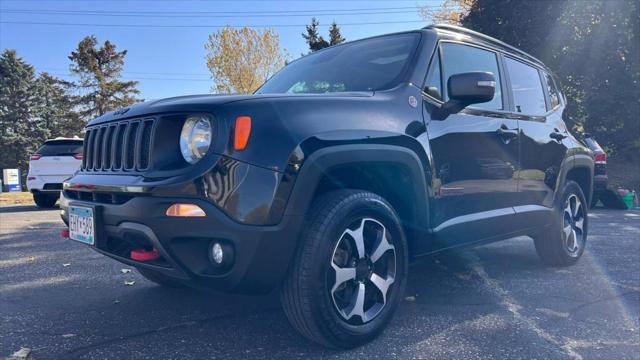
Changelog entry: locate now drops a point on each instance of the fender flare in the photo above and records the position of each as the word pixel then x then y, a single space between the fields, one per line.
pixel 323 160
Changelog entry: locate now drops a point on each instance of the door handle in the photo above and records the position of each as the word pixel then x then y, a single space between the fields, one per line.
pixel 505 134
pixel 557 136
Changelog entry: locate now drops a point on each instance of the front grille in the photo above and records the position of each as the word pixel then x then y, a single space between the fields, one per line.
pixel 121 146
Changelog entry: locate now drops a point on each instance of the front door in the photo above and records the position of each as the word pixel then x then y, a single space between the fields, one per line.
pixel 475 155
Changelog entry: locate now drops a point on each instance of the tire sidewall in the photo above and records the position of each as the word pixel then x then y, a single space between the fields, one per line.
pixel 348 212
pixel 572 188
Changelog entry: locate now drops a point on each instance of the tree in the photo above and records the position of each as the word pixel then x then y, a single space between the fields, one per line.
pixel 55 113
pixel 592 46
pixel 241 60
pixel 313 38
pixel 335 37
pixel 17 100
pixel 449 12
pixel 99 70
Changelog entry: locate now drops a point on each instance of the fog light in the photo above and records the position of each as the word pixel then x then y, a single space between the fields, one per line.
pixel 185 210
pixel 221 254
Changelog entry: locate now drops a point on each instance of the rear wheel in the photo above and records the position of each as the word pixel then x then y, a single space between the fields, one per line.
pixel 160 278
pixel 350 270
pixel 565 242
pixel 45 200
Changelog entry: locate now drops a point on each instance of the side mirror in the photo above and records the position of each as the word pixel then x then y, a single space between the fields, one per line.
pixel 468 88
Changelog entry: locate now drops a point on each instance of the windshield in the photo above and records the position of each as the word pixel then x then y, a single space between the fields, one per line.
pixel 367 65
pixel 61 148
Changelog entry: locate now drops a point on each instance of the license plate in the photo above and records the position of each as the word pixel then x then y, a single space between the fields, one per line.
pixel 81 224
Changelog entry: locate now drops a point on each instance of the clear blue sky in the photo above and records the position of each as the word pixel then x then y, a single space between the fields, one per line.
pixel 169 61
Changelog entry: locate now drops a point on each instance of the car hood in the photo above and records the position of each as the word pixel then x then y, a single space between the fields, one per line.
pixel 202 103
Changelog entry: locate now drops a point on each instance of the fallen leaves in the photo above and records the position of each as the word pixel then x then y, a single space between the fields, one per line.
pixel 23 353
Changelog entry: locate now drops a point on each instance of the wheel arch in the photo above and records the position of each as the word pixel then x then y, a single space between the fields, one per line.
pixel 580 170
pixel 397 173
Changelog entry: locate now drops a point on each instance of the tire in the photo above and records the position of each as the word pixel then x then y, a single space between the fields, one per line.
pixel 565 242
pixel 160 279
pixel 321 307
pixel 45 200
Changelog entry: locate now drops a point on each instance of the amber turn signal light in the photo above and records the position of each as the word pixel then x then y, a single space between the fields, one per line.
pixel 242 132
pixel 185 210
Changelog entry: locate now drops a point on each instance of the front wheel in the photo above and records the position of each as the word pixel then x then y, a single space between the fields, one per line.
pixel 350 270
pixel 565 242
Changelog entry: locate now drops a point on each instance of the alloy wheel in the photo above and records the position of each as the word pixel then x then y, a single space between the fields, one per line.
pixel 363 265
pixel 573 225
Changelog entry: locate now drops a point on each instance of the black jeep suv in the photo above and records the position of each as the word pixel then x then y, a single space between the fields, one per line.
pixel 341 169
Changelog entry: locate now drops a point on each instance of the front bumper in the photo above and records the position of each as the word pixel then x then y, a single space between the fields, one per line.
pixel 261 253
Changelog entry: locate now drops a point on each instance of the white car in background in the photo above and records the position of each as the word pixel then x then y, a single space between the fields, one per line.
pixel 54 162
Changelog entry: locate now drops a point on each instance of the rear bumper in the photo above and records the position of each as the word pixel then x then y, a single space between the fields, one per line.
pixel 48 183
pixel 600 182
pixel 261 253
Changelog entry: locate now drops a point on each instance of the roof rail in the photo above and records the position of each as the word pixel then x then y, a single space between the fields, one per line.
pixel 483 36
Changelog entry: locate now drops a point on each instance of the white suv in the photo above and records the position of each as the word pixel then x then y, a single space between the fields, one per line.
pixel 55 161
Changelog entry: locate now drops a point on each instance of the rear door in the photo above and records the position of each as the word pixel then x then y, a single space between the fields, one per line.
pixel 537 104
pixel 59 159
pixel 475 153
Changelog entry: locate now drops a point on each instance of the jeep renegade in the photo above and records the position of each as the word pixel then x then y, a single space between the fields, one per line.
pixel 341 169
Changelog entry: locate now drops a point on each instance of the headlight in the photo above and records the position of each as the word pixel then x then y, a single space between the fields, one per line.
pixel 195 138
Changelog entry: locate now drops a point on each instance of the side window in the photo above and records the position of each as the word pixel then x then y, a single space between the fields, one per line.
pixel 458 59
pixel 528 96
pixel 433 86
pixel 552 90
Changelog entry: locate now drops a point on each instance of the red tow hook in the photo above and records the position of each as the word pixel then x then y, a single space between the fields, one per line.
pixel 144 255
pixel 64 233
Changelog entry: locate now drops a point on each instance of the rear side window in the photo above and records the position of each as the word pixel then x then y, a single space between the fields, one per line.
pixel 458 59
pixel 528 96
pixel 552 90
pixel 61 148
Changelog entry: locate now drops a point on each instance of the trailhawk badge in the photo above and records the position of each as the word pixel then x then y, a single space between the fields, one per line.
pixel 412 101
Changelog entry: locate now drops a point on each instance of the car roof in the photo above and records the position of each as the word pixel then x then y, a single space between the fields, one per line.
pixel 75 138
pixel 481 39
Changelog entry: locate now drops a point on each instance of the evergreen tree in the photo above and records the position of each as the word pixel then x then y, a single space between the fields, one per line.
pixel 335 37
pixel 55 114
pixel 313 38
pixel 17 101
pixel 99 70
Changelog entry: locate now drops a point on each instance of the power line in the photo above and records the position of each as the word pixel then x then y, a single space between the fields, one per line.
pixel 201 26
pixel 168 15
pixel 242 12
pixel 141 78
pixel 134 72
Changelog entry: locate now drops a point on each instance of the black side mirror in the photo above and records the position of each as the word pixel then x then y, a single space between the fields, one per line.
pixel 468 88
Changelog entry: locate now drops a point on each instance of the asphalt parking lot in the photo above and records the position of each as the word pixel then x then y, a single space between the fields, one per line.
pixel 64 301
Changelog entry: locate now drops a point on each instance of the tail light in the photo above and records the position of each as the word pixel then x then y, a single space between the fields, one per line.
pixel 77 156
pixel 600 158
pixel 36 157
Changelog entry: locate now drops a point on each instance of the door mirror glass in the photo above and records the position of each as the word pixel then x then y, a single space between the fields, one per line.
pixel 471 87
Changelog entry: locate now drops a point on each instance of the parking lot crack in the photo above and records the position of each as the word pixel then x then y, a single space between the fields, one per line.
pixel 513 306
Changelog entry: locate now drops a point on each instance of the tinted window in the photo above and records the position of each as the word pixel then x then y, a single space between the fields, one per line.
pixel 554 94
pixel 462 58
pixel 528 96
pixel 61 148
pixel 433 86
pixel 368 65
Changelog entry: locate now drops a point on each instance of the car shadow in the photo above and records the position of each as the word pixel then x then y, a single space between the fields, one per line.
pixel 24 208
